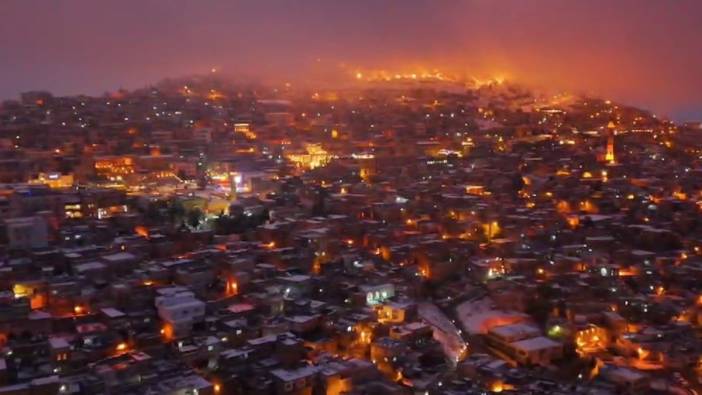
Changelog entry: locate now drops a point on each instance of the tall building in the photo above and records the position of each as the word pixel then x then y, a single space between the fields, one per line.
pixel 609 155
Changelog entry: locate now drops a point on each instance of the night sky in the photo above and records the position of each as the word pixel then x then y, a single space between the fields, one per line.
pixel 642 52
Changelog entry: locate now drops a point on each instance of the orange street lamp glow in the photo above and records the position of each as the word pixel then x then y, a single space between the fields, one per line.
pixel 121 347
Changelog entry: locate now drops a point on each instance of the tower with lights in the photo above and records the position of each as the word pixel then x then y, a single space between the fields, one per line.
pixel 609 155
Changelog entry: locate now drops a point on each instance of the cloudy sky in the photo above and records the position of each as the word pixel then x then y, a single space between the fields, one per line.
pixel 643 52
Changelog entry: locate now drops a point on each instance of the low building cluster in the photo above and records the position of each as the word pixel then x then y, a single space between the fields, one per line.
pixel 407 236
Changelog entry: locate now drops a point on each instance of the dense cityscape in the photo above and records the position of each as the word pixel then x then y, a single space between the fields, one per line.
pixel 408 233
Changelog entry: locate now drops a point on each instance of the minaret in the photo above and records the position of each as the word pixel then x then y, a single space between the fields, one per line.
pixel 609 156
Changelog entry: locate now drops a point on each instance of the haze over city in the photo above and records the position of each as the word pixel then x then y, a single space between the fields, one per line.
pixel 643 52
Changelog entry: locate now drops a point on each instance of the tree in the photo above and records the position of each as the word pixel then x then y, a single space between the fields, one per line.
pixel 176 211
pixel 194 217
pixel 153 212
